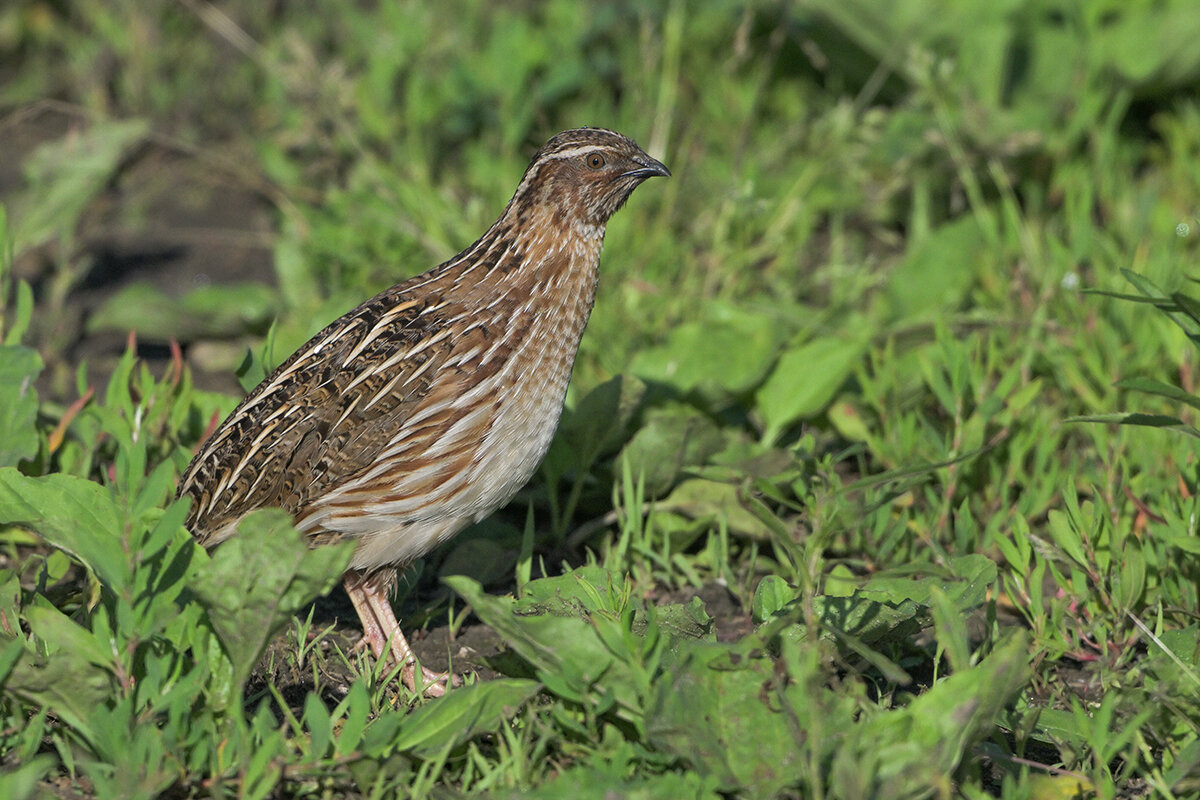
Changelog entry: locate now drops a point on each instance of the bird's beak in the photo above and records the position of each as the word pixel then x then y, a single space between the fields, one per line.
pixel 647 168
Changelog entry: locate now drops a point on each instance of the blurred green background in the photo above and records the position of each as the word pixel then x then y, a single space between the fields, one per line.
pixel 848 341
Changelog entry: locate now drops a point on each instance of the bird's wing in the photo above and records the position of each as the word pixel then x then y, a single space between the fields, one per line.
pixel 324 413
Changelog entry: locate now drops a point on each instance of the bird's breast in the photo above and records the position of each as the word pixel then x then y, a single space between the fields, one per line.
pixel 528 390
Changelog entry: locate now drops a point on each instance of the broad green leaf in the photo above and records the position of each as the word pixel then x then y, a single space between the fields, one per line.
pixel 1066 535
pixel 26 780
pixel 462 714
pixel 888 608
pixel 595 425
pixel 715 502
pixel 937 270
pixel 733 720
pixel 860 622
pixel 567 653
pixel 772 594
pixel 563 651
pixel 805 381
pixel 609 781
pixel 1188 544
pixel 258 580
pixel 64 176
pixel 597 421
pixel 66 682
pixel 319 726
pixel 207 312
pixel 901 753
pixel 70 513
pixel 671 439
pixel 573 594
pixel 10 652
pixel 64 635
pixel 681 622
pixel 19 366
pixel 965 582
pixel 847 418
pixel 486 559
pixel 724 355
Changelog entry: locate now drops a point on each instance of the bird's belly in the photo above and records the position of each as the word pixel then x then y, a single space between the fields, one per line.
pixel 522 431
pixel 522 417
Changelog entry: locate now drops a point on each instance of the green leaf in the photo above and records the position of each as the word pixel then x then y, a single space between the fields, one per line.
pixel 562 650
pixel 1131 582
pixel 595 425
pixel 725 715
pixel 1143 420
pixel 18 320
pixel 566 653
pixel 1151 386
pixel 682 622
pixel 64 635
pixel 965 583
pixel 10 652
pixel 713 502
pixel 772 594
pixel 573 594
pixel 937 269
pixel 64 176
pixel 208 312
pixel 724 355
pixel 608 781
pixel 951 626
pixel 25 780
pixel 805 381
pixel 486 559
pixel 320 727
pixel 890 608
pixel 901 753
pixel 1064 529
pixel 1184 542
pixel 357 710
pixel 66 682
pixel 258 580
pixel 1144 284
pixel 671 439
pixel 70 513
pixel 462 714
pixel 1190 307
pixel 19 366
pixel 257 365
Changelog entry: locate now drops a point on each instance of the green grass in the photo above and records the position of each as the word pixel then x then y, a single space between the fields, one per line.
pixel 863 361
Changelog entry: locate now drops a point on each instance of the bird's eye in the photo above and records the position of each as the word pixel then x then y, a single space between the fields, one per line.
pixel 595 161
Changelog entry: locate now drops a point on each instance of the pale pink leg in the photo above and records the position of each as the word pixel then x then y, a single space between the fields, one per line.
pixel 382 632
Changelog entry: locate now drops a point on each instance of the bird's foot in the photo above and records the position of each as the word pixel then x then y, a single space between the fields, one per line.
pixel 432 684
pixel 382 634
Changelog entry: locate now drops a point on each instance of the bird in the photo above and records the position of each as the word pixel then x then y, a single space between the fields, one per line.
pixel 426 408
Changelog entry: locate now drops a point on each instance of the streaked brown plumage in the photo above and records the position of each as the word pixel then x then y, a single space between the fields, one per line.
pixel 426 408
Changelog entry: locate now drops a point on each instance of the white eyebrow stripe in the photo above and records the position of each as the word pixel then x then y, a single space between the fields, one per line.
pixel 575 151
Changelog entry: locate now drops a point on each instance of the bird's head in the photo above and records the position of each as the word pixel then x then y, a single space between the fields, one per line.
pixel 582 176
